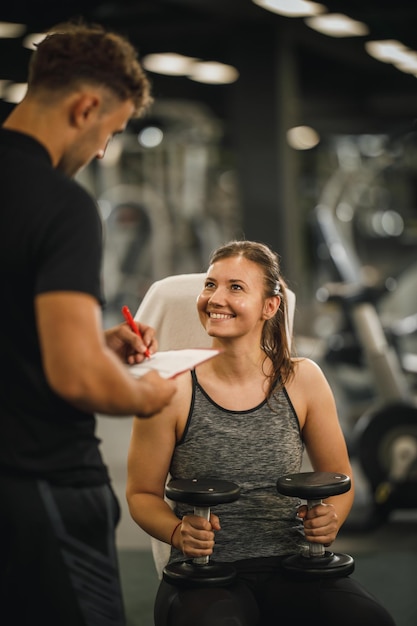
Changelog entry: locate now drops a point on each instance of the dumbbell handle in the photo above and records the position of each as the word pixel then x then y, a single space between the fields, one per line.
pixel 315 549
pixel 202 511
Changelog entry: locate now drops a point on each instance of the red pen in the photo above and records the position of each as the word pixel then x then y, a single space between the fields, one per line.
pixel 129 319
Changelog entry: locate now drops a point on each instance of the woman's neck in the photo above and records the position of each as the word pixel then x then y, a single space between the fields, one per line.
pixel 238 363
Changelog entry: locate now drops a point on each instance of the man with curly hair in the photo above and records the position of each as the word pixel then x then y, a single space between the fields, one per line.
pixel 58 563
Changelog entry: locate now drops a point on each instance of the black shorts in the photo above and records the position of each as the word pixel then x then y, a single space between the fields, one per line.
pixel 58 560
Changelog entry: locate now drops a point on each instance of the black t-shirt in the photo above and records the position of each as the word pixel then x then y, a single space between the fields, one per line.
pixel 51 241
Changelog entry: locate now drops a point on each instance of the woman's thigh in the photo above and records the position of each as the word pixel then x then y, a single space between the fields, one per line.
pixel 215 606
pixel 352 604
pixel 341 601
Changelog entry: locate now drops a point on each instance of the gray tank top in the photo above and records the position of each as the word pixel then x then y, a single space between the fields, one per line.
pixel 252 448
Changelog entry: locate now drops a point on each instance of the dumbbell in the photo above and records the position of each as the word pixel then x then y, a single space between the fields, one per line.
pixel 316 561
pixel 202 494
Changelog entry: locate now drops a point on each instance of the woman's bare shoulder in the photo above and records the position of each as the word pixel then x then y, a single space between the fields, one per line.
pixel 304 366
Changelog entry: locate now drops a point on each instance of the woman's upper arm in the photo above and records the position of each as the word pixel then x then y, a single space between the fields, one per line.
pixel 322 432
pixel 150 450
pixel 153 441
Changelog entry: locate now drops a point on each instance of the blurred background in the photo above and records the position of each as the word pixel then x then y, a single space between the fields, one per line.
pixel 258 107
pixel 292 123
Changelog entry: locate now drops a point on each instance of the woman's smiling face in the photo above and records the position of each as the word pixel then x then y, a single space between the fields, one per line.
pixel 232 301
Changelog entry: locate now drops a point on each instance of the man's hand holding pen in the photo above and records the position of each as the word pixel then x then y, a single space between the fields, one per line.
pixel 130 346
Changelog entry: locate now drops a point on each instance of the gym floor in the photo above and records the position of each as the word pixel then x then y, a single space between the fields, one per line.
pixel 385 556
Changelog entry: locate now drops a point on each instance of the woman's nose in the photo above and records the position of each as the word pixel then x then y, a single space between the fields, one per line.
pixel 217 296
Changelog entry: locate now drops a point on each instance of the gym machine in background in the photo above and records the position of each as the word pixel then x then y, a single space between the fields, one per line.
pixel 384 435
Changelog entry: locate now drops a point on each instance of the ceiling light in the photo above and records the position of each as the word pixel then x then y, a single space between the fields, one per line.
pixel 174 64
pixel 291 8
pixel 392 51
pixel 409 63
pixel 337 25
pixel 10 30
pixel 386 50
pixel 14 92
pixel 302 137
pixel 150 136
pixel 168 63
pixel 213 73
pixel 32 40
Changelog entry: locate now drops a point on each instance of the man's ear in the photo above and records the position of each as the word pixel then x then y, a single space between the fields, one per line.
pixel 271 306
pixel 83 109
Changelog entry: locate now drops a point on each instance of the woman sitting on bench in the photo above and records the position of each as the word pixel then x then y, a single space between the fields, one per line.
pixel 246 416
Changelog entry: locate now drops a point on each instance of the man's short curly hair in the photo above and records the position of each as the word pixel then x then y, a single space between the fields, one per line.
pixel 75 53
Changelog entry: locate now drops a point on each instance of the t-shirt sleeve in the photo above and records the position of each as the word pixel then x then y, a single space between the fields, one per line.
pixel 70 248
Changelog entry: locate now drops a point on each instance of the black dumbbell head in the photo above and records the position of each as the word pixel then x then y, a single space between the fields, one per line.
pixel 202 492
pixel 313 485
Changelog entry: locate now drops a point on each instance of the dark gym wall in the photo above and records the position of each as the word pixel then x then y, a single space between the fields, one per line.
pixel 264 104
